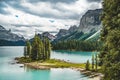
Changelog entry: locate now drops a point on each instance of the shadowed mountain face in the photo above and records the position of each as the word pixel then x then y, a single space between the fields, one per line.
pixel 7 38
pixel 8 35
pixel 89 27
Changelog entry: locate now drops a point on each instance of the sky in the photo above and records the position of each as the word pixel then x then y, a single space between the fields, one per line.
pixel 25 17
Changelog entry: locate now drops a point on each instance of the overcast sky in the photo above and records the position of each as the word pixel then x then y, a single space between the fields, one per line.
pixel 24 17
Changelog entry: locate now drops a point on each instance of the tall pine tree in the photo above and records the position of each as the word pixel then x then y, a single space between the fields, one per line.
pixel 110 55
pixel 28 46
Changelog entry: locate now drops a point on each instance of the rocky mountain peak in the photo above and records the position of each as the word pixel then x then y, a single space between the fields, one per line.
pixel 90 20
pixel 72 28
pixel 61 33
pixel 47 35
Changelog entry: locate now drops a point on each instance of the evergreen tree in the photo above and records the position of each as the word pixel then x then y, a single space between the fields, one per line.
pixel 28 46
pixel 87 66
pixel 34 51
pixel 93 62
pixel 48 48
pixel 25 51
pixel 110 55
pixel 96 62
pixel 37 47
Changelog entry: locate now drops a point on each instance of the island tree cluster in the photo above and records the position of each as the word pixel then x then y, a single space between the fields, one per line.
pixel 110 55
pixel 38 49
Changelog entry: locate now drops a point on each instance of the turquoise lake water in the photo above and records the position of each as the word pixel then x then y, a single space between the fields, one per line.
pixel 10 71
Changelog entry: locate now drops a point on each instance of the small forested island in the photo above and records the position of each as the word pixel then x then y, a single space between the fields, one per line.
pixel 37 56
pixel 37 50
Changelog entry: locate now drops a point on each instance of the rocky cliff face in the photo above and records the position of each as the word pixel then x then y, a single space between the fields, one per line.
pixel 90 21
pixel 8 35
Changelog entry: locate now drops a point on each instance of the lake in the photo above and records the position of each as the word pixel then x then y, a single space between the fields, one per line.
pixel 10 71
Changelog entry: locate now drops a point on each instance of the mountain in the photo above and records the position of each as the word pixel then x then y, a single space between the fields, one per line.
pixel 46 35
pixel 90 21
pixel 88 29
pixel 8 35
pixel 63 32
pixel 72 29
pixel 9 38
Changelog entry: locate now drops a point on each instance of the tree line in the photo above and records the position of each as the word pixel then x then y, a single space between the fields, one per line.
pixel 38 49
pixel 77 45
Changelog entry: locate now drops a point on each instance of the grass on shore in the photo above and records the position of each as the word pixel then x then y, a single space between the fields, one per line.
pixel 59 63
pixel 54 63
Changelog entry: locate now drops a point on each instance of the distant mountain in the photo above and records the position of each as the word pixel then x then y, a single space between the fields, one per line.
pixel 7 37
pixel 88 29
pixel 72 29
pixel 46 35
pixel 63 32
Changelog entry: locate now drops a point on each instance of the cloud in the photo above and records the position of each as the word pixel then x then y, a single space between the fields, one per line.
pixel 26 16
pixel 53 1
pixel 94 0
pixel 20 25
pixel 2 8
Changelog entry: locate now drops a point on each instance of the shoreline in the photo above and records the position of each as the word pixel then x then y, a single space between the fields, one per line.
pixel 48 65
